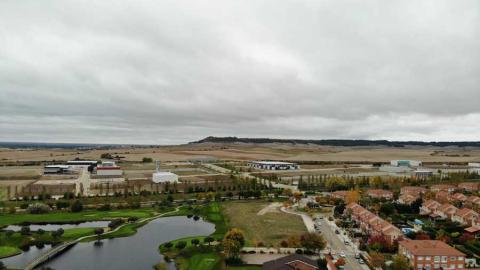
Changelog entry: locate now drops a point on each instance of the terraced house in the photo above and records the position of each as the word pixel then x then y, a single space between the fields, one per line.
pixel 372 224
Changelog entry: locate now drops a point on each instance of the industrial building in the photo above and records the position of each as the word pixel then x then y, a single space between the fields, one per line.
pixel 57 169
pixel 273 165
pixel 87 164
pixel 163 177
pixel 109 168
pixel 406 163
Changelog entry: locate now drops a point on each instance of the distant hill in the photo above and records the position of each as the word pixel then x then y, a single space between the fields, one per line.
pixel 333 142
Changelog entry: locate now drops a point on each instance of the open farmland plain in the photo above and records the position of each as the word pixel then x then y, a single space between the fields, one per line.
pixel 252 152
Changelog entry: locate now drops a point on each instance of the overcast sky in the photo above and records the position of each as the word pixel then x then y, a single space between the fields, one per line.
pixel 166 72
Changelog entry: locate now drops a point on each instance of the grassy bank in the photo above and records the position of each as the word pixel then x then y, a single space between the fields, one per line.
pixel 7 251
pixel 63 217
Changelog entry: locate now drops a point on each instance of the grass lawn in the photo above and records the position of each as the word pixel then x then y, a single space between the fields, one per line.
pixel 207 261
pixel 8 219
pixel 7 251
pixel 270 228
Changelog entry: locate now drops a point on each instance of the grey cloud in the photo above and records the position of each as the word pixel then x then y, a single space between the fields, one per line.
pixel 174 71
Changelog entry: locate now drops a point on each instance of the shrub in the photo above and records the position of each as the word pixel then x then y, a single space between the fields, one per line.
pixel 115 223
pixel 181 245
pixel 105 207
pixel 168 245
pixel 299 251
pixel 25 230
pixel 195 241
pixel 38 208
pixel 77 206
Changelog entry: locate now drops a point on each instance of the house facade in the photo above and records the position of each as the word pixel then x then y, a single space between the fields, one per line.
pixel 431 254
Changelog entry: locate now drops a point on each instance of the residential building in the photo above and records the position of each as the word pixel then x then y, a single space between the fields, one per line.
pixel 445 211
pixel 431 254
pixel 458 197
pixel 423 173
pixel 380 194
pixel 429 207
pixel 408 198
pixel 413 190
pixel 473 200
pixel 443 187
pixel 442 196
pixel 469 186
pixel 465 216
pixel 372 224
pixel 341 194
pixel 290 262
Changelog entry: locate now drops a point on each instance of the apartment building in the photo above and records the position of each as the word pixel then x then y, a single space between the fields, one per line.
pixel 431 254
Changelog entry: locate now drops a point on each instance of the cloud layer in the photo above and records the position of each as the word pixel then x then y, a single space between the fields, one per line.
pixel 175 71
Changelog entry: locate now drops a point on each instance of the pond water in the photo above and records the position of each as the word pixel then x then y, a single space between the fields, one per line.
pixel 139 251
pixel 54 227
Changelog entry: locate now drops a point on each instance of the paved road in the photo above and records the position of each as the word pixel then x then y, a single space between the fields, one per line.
pixel 83 183
pixel 336 244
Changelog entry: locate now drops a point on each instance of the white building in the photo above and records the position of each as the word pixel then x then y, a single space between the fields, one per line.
pixel 406 163
pixel 87 164
pixel 109 168
pixel 57 169
pixel 474 164
pixel 273 165
pixel 163 177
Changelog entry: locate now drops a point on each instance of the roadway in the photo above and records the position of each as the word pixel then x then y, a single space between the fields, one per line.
pixel 337 245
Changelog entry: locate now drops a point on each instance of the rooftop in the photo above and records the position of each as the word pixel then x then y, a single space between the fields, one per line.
pixel 273 162
pixel 429 247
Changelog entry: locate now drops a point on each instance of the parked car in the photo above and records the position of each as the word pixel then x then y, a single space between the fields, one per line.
pixel 342 254
pixel 346 243
pixel 357 256
pixel 360 261
pixel 337 232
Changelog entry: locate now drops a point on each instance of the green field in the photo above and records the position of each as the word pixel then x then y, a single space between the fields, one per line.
pixel 270 228
pixel 7 251
pixel 9 219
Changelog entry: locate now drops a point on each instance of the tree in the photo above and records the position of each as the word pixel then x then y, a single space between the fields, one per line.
pixel 376 259
pixel 98 232
pixel 77 206
pixel 38 208
pixel 147 160
pixel 400 262
pixel 233 243
pixel 180 245
pixel 195 241
pixel 387 209
pixel 168 245
pixel 353 196
pixel 208 240
pixel 312 241
pixel 58 233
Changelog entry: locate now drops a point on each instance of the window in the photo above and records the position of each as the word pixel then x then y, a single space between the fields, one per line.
pixel 437 259
pixel 420 258
pixel 444 258
pixel 460 266
pixel 460 258
pixel 428 258
pixel 452 258
pixel 420 266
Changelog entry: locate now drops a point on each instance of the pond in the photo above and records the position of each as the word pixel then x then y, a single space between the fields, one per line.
pixel 54 227
pixel 139 251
